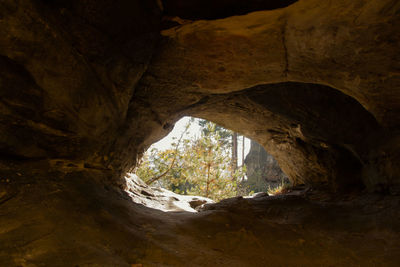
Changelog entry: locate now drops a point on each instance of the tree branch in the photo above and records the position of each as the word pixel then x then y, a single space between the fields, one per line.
pixel 152 180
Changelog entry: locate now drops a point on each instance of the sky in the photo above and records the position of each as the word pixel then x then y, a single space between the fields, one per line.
pixel 194 130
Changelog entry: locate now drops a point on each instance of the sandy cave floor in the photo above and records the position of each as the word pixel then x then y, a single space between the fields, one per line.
pixel 71 219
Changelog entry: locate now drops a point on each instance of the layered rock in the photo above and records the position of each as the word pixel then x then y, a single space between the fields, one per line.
pixel 69 69
pixel 82 63
pixel 160 198
pixel 200 62
pixel 215 9
pixel 69 219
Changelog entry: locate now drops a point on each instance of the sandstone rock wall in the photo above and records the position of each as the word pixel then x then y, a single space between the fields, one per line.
pixel 69 69
pixel 94 82
pixel 87 85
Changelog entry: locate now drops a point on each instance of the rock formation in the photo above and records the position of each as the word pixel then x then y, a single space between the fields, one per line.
pixel 87 86
pixel 262 170
pixel 160 198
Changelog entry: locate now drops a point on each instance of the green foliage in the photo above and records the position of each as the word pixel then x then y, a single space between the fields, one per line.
pixel 225 135
pixel 282 188
pixel 195 166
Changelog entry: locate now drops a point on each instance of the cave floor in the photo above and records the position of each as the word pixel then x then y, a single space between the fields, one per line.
pixel 72 219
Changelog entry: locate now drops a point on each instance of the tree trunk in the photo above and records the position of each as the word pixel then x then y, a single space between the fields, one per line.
pixel 208 179
pixel 234 153
pixel 243 145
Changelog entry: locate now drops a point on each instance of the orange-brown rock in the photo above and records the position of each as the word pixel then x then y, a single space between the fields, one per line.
pixel 87 86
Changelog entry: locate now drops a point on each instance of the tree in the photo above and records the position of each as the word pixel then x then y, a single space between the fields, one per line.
pixel 196 166
pixel 175 155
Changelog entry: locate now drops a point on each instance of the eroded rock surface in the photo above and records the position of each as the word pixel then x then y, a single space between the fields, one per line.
pixel 87 86
pixel 160 198
pixel 69 219
pixel 104 85
pixel 215 9
pixel 68 72
pixel 332 48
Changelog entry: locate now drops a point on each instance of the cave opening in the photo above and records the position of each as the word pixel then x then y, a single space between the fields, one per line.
pixel 203 159
pixel 313 133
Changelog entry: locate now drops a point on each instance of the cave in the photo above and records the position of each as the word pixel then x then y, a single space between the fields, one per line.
pixel 87 86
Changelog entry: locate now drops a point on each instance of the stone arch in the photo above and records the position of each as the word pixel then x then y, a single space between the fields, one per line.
pixel 319 135
pixel 296 44
pixel 348 47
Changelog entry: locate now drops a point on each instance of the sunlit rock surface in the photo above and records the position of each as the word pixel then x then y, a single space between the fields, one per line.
pixel 160 198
